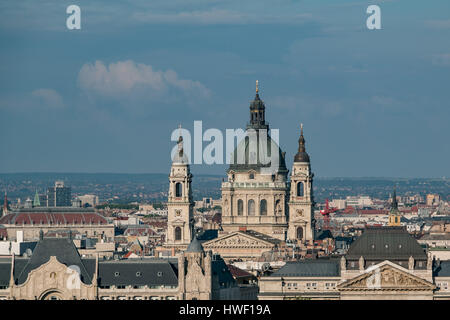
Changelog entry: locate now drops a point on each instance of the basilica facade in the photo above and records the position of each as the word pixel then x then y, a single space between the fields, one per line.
pixel 262 205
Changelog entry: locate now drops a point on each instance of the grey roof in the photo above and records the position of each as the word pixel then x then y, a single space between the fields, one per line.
pixel 150 272
pixel 220 269
pixel 443 270
pixel 384 243
pixel 262 236
pixel 62 248
pixel 309 268
pixel 5 272
pixel 323 234
pixel 195 246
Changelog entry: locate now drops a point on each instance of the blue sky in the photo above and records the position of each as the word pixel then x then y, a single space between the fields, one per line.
pixel 107 97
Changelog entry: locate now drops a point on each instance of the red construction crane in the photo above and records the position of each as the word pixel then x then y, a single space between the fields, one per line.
pixel 326 215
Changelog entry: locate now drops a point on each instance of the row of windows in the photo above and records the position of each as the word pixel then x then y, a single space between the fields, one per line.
pixel 442 285
pixel 251 207
pixel 311 285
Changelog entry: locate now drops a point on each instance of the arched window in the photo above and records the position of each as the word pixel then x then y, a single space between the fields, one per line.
pixel 251 207
pixel 251 176
pixel 263 207
pixel 178 190
pixel 240 207
pixel 177 233
pixel 300 189
pixel 299 233
pixel 277 207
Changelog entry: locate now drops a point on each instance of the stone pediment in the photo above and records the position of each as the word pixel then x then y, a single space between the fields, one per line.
pixel 237 240
pixel 386 276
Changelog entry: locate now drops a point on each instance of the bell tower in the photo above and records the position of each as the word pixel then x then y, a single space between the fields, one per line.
pixel 180 205
pixel 394 213
pixel 301 200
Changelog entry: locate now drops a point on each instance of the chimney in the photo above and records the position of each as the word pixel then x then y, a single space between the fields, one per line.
pixel 243 229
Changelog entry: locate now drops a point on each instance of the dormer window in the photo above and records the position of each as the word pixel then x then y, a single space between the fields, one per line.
pixel 251 176
pixel 159 274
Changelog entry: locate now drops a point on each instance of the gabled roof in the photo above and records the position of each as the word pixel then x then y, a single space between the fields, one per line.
pixel 385 243
pixel 386 276
pixel 239 273
pixel 62 248
pixel 248 235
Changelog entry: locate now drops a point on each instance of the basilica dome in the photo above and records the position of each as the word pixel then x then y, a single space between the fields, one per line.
pixel 257 150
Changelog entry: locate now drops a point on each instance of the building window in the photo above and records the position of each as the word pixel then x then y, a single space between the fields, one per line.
pixel 263 207
pixel 300 189
pixel 177 234
pixel 299 233
pixel 138 274
pixel 240 205
pixel 178 190
pixel 159 273
pixel 251 176
pixel 251 207
pixel 117 273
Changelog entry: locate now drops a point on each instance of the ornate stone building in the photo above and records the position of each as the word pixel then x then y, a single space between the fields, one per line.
pixel 301 200
pixel 260 207
pixel 383 263
pixel 180 204
pixel 56 271
pixel 255 196
pixel 31 221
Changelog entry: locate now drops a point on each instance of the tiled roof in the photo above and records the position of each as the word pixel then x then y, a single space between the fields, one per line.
pixel 238 273
pixel 384 243
pixel 53 216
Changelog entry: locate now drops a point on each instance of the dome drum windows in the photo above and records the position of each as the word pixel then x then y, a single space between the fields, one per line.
pixel 263 207
pixel 240 207
pixel 251 207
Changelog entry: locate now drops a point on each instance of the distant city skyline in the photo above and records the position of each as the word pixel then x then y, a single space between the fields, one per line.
pixel 374 103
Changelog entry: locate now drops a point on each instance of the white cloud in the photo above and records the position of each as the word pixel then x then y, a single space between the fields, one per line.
pixel 48 98
pixel 124 78
pixel 441 59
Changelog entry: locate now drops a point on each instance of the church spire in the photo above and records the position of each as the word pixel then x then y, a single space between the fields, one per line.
pixel 180 143
pixel 257 112
pixel 394 214
pixel 301 155
pixel 394 199
pixel 36 202
pixel 180 156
